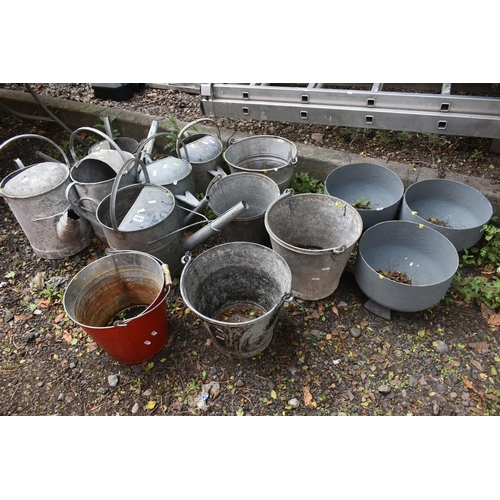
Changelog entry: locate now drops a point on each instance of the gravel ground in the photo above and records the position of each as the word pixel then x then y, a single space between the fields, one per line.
pixel 327 357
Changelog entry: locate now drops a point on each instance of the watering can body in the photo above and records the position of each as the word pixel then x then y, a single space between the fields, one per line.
pixel 36 196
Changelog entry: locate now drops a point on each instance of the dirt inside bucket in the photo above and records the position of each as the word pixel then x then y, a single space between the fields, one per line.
pixel 398 276
pixel 239 312
pixel 127 313
pixel 439 222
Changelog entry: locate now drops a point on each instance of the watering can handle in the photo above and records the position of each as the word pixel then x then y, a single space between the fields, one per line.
pixel 98 132
pixel 36 136
pixel 192 124
pixel 77 205
pixel 154 136
pixel 114 189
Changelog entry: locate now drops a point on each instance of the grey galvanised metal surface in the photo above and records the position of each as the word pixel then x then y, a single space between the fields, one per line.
pixel 417 109
pixel 315 234
pixel 36 196
pixel 152 225
pixel 258 190
pixel 377 183
pixel 93 176
pixel 264 154
pixel 176 174
pixel 237 274
pixel 463 210
pixel 427 257
pixel 203 151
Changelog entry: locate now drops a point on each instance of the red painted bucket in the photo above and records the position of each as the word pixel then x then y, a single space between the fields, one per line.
pixel 119 300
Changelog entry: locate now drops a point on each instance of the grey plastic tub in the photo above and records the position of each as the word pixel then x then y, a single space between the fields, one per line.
pixel 379 184
pixel 424 255
pixel 462 209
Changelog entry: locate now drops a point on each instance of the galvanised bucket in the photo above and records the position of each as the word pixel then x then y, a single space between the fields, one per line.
pixel 36 196
pixel 258 190
pixel 264 154
pixel 204 152
pixel 315 234
pixel 119 300
pixel 237 289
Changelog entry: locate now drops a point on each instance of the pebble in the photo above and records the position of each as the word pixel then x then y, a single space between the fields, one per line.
pixel 135 408
pixel 355 332
pixel 316 333
pixel 60 397
pixel 239 383
pixel 453 395
pixel 113 380
pixel 436 409
pixel 342 304
pixel 412 381
pixel 294 403
pixel 384 389
pixel 441 347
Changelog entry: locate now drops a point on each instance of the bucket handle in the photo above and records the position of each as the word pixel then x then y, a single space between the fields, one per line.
pixel 36 136
pixel 153 137
pixel 192 124
pixel 98 132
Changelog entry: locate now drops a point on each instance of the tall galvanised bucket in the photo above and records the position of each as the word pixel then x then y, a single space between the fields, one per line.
pixel 203 151
pixel 264 154
pixel 36 196
pixel 119 300
pixel 315 234
pixel 258 190
pixel 237 289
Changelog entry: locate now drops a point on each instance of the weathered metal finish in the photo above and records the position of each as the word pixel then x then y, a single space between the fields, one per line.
pixel 427 257
pixel 443 109
pixel 264 154
pixel 93 176
pixel 459 211
pixel 36 196
pixel 315 234
pixel 232 274
pixel 377 183
pixel 258 191
pixel 203 151
pixel 111 285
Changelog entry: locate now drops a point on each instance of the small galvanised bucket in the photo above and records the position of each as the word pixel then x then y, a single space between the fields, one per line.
pixel 264 154
pixel 258 190
pixel 119 300
pixel 237 289
pixel 315 234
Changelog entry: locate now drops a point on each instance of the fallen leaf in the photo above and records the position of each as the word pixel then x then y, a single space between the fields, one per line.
pixel 59 317
pixel 273 394
pixel 477 364
pixel 44 303
pixel 208 342
pixel 150 405
pixel 486 311
pixel 480 346
pixel 307 396
pixel 335 310
pixel 67 337
pixel 494 320
pixel 91 346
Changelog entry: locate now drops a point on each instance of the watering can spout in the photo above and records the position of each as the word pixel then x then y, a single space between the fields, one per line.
pixel 214 226
pixel 69 227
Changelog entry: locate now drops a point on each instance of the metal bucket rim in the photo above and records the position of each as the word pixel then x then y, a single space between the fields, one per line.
pixel 308 251
pixel 229 323
pixel 260 176
pixel 162 291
